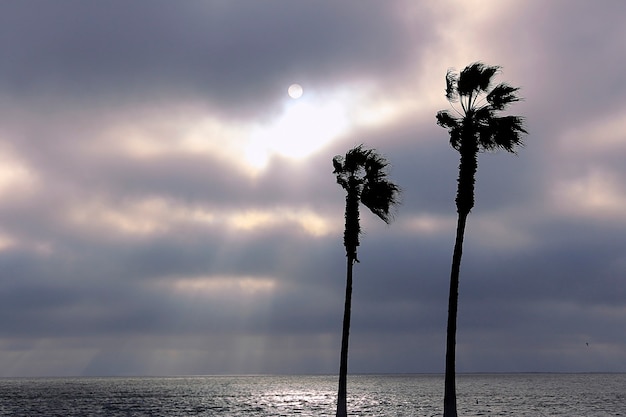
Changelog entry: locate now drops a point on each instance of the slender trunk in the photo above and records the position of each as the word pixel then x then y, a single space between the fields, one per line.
pixel 342 410
pixel 449 399
pixel 351 242
pixel 464 204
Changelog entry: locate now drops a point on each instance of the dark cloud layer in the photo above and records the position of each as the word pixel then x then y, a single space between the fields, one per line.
pixel 128 246
pixel 235 56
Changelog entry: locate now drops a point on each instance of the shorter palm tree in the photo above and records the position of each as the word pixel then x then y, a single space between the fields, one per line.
pixel 362 173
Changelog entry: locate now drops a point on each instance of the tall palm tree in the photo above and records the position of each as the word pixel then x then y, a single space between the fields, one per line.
pixel 362 173
pixel 476 126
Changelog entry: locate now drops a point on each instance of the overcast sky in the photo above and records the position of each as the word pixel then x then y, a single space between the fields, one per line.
pixel 166 208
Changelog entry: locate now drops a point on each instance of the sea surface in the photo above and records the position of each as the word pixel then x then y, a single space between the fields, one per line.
pixel 368 395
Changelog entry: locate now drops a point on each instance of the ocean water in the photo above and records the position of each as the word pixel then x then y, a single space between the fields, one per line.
pixel 368 395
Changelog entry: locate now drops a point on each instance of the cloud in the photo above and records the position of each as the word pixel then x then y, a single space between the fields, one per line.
pixel 235 57
pixel 165 208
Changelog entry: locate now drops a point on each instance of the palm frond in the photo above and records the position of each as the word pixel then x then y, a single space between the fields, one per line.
pixel 451 86
pixel 483 114
pixel 509 131
pixel 502 95
pixel 355 158
pixel 338 164
pixel 455 138
pixel 380 197
pixel 447 120
pixel 340 172
pixel 475 77
pixel 503 132
pixel 375 168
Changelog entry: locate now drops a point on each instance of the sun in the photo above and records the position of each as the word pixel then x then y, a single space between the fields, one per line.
pixel 295 91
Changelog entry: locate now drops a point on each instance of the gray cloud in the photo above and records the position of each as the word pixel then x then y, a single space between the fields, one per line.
pixel 236 57
pixel 135 263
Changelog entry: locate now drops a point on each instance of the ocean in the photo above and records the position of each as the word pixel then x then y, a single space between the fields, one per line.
pixel 263 396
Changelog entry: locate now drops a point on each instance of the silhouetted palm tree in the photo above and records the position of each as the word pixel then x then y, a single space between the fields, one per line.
pixel 474 127
pixel 362 173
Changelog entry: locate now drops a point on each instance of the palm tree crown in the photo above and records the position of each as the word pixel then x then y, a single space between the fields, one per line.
pixel 477 125
pixel 363 174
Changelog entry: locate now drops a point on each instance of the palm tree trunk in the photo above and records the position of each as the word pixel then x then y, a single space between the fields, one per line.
pixel 342 410
pixel 449 399
pixel 464 204
pixel 351 242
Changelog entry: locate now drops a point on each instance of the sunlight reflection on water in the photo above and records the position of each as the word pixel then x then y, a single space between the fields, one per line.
pixel 264 396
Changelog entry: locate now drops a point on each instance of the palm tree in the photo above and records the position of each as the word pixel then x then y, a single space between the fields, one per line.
pixel 362 173
pixel 475 127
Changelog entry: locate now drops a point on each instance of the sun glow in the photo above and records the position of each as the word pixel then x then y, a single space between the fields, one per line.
pixel 305 126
